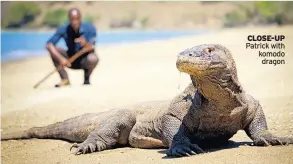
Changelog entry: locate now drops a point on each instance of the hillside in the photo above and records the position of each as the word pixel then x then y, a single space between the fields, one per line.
pixel 137 15
pixel 147 15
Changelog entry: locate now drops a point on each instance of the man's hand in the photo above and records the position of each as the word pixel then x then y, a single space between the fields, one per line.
pixel 81 40
pixel 65 62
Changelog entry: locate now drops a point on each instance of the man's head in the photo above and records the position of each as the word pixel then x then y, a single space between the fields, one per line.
pixel 74 17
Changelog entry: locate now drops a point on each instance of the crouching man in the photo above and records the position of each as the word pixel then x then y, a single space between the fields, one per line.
pixel 76 35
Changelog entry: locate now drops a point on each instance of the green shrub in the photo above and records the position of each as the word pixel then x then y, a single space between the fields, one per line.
pixel 275 12
pixel 266 9
pixel 55 18
pixel 235 18
pixel 261 12
pixel 284 13
pixel 144 21
pixel 20 13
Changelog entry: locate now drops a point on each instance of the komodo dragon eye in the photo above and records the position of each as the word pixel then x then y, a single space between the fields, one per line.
pixel 209 50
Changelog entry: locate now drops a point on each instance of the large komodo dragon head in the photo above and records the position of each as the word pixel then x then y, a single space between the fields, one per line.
pixel 211 67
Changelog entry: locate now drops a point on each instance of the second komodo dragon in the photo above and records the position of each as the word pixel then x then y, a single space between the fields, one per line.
pixel 208 112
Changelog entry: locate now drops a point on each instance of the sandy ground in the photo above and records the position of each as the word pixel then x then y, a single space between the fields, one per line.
pixel 133 73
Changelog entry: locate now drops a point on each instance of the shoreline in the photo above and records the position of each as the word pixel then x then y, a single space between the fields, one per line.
pixel 115 30
pixel 147 36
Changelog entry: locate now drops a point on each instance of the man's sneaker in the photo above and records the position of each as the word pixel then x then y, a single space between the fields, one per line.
pixel 86 82
pixel 63 83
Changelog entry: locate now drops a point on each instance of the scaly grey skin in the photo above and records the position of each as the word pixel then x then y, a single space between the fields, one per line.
pixel 216 109
pixel 207 113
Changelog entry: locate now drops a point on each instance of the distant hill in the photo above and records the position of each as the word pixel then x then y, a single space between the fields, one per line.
pixel 146 15
pixel 136 15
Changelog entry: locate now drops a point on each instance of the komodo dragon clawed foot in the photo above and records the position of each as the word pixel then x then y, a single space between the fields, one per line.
pixel 85 147
pixel 267 139
pixel 184 149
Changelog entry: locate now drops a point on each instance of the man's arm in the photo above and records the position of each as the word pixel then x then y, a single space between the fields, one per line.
pixel 89 39
pixel 51 46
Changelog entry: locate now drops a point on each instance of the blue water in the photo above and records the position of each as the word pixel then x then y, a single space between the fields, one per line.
pixel 19 45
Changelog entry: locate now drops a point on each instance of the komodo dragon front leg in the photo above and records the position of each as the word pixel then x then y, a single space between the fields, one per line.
pixel 257 130
pixel 178 124
pixel 178 138
pixel 112 130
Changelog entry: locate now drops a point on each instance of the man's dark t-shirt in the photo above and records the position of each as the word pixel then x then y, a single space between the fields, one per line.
pixel 88 31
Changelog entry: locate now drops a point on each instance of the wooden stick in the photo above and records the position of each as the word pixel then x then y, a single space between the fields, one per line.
pixel 70 60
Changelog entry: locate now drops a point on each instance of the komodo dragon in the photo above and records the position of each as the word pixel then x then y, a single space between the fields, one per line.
pixel 194 119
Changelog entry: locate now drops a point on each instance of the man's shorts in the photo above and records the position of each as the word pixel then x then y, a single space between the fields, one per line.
pixel 79 63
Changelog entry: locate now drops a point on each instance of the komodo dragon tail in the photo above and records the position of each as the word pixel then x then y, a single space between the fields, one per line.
pixel 16 136
pixel 50 131
pixel 74 129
